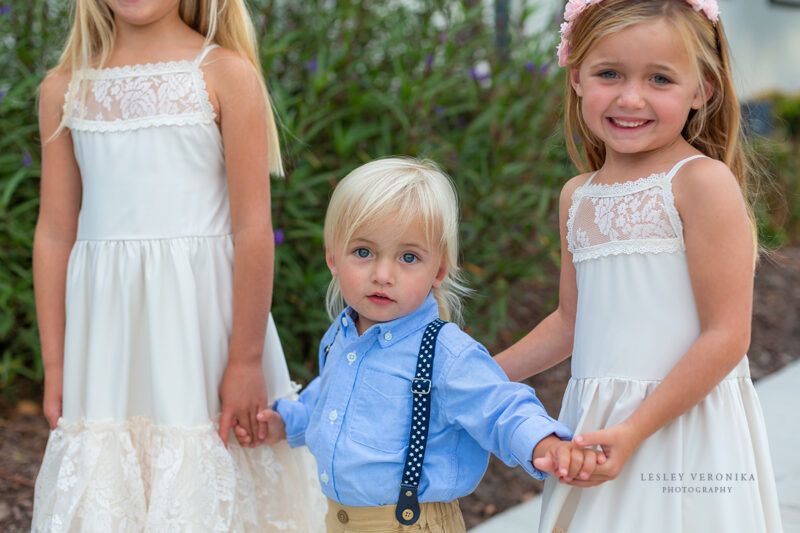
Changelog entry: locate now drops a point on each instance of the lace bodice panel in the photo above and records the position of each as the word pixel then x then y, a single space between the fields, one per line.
pixel 632 217
pixel 137 96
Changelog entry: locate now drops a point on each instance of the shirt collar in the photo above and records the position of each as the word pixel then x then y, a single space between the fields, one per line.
pixel 395 330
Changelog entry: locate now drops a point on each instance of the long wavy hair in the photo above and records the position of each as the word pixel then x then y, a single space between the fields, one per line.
pixel 225 22
pixel 715 128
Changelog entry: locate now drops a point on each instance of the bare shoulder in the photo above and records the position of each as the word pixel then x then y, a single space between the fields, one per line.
pixel 54 87
pixel 571 186
pixel 227 70
pixel 706 184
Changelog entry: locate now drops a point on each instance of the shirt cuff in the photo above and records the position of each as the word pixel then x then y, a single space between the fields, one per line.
pixel 527 436
pixel 295 418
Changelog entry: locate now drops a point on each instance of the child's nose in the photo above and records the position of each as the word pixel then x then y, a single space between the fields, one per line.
pixel 383 273
pixel 631 96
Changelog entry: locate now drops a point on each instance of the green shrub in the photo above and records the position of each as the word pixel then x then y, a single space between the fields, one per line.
pixel 352 81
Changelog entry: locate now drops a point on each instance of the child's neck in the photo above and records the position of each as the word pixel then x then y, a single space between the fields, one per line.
pixel 619 167
pixel 166 39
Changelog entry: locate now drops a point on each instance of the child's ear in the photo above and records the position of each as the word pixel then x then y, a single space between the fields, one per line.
pixel 329 259
pixel 440 274
pixel 703 94
pixel 575 80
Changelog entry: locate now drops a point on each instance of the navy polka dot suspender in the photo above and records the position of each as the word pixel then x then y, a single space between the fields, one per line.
pixel 407 510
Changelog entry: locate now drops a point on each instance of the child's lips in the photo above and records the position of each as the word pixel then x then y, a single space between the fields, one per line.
pixel 628 123
pixel 379 299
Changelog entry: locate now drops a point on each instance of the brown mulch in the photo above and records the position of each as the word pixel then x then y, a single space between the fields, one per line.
pixel 775 343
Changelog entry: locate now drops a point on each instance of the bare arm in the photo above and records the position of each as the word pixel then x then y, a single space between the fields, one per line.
pixel 719 251
pixel 243 125
pixel 56 229
pixel 550 342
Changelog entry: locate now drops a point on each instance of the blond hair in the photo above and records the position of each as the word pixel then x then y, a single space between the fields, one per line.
pixel 406 190
pixel 714 129
pixel 225 22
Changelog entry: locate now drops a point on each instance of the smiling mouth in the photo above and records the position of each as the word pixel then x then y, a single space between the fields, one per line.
pixel 628 124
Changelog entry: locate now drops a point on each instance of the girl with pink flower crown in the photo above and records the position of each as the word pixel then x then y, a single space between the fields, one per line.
pixel 658 250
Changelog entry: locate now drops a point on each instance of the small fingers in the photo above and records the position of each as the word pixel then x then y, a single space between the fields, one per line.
pixel 562 461
pixel 589 463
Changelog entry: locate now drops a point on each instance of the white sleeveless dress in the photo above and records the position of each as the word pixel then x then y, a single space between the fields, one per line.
pixel 708 470
pixel 149 309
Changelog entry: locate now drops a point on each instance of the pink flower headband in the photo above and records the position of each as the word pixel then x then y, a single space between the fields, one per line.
pixel 576 7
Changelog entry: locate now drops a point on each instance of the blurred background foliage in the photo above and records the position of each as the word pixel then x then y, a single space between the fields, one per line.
pixel 454 81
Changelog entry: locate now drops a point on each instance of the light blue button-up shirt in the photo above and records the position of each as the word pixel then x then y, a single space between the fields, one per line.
pixel 355 417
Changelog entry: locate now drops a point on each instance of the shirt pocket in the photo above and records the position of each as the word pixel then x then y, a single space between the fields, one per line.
pixel 381 414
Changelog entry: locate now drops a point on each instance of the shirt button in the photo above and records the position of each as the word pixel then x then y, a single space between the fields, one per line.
pixel 324 477
pixel 342 516
pixel 344 321
pixel 351 356
pixel 333 415
pixel 387 335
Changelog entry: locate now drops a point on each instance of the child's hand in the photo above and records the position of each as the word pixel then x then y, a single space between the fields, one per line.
pixel 618 444
pixel 275 429
pixel 243 393
pixel 566 460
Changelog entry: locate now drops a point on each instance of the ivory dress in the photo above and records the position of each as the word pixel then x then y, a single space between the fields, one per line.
pixel 149 309
pixel 708 470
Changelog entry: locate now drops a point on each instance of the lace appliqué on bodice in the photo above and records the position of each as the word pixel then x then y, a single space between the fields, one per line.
pixel 624 218
pixel 139 96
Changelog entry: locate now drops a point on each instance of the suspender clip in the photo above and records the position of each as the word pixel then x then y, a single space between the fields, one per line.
pixel 421 386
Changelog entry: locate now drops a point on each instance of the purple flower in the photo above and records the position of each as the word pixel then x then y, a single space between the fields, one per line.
pixel 439 110
pixel 530 66
pixel 478 76
pixel 5 9
pixel 2 95
pixel 26 159
pixel 429 60
pixel 544 68
pixel 279 237
pixel 311 66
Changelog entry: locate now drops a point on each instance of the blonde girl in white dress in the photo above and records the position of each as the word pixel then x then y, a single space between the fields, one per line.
pixel 153 260
pixel 656 286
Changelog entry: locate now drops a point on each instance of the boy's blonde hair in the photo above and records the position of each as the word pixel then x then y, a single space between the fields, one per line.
pixel 225 22
pixel 406 190
pixel 714 129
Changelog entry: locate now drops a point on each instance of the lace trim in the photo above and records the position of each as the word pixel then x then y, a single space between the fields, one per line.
pixel 600 190
pixel 624 188
pixel 206 115
pixel 119 125
pixel 142 69
pixel 137 476
pixel 654 246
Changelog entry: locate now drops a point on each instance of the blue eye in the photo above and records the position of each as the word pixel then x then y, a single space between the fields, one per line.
pixel 363 253
pixel 660 80
pixel 608 74
pixel 409 258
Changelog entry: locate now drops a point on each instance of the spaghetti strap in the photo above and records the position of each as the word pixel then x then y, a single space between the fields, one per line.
pixel 203 53
pixel 674 170
pixel 590 178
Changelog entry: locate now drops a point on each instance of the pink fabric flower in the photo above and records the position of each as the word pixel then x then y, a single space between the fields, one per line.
pixel 563 53
pixel 710 9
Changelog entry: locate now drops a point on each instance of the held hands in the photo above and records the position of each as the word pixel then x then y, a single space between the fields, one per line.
pixel 566 460
pixel 243 394
pixel 618 444
pixel 276 429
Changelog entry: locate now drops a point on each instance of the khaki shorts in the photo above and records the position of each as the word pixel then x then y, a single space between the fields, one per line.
pixel 435 517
